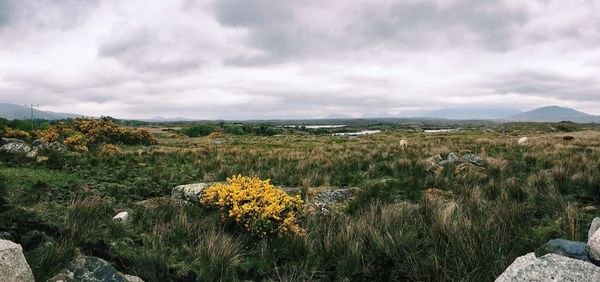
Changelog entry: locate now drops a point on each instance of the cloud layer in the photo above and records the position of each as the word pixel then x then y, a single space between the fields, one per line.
pixel 240 59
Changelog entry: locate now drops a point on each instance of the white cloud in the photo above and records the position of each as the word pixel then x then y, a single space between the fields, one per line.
pixel 263 58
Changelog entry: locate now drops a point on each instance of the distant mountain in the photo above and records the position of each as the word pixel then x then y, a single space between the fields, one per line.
pixel 554 114
pixel 338 116
pixel 12 111
pixel 377 115
pixel 471 113
pixel 166 119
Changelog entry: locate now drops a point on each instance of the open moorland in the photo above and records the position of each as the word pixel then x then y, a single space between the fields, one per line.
pixel 458 205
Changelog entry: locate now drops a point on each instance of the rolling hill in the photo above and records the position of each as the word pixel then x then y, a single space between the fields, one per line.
pixel 12 111
pixel 554 114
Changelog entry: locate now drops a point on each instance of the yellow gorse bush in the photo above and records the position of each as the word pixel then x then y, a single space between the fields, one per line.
pixel 85 133
pixel 256 205
pixel 15 133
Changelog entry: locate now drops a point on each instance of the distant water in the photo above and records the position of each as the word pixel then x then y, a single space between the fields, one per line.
pixel 364 132
pixel 317 126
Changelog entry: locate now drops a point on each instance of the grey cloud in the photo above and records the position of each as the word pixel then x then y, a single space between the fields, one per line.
pixel 265 58
pixel 59 14
pixel 253 12
pixel 547 84
pixel 143 50
pixel 409 25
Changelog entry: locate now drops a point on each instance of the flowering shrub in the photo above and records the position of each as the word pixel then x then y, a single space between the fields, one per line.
pixel 76 142
pixel 15 133
pixel 257 205
pixel 109 149
pixel 92 133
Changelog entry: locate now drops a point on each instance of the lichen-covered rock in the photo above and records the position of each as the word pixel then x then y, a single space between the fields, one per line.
pixel 331 197
pixel 474 159
pixel 90 269
pixel 593 227
pixel 453 158
pixel 550 267
pixel 572 249
pixel 15 148
pixel 190 192
pixel 13 266
pixel 33 153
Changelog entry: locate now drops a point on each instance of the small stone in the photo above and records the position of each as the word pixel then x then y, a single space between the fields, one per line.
pixel 41 159
pixel 122 217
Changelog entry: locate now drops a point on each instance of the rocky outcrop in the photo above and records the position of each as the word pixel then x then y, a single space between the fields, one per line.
pixel 91 269
pixel 190 192
pixel 550 267
pixel 13 266
pixel 15 148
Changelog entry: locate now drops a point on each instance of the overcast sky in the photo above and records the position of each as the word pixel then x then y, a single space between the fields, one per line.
pixel 274 58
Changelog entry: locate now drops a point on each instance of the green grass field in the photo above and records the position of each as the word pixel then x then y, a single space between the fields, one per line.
pixel 470 228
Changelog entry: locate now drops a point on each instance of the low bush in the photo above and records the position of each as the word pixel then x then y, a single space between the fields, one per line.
pixel 256 205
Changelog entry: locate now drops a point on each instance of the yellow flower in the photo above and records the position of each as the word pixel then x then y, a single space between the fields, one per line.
pixel 259 207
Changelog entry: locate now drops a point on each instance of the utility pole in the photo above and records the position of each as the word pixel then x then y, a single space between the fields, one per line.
pixel 31 108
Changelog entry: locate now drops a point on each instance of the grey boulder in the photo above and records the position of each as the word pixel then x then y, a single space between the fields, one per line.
pixel 453 158
pixel 190 192
pixel 474 159
pixel 91 269
pixel 550 267
pixel 13 266
pixel 572 249
pixel 15 148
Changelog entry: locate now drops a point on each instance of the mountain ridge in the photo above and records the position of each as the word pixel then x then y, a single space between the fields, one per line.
pixel 13 111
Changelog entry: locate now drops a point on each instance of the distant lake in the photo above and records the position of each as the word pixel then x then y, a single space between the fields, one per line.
pixel 317 126
pixel 441 130
pixel 364 132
